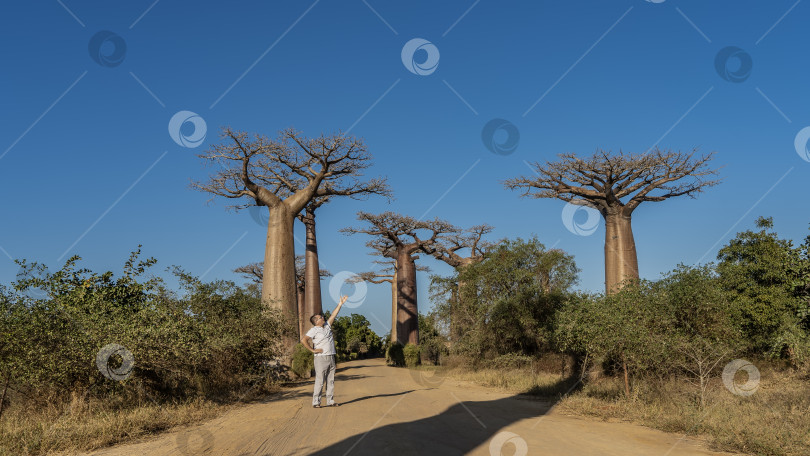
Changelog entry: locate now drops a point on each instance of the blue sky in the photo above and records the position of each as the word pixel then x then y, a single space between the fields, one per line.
pixel 88 166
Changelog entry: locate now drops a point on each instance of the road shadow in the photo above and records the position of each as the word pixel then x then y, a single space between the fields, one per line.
pixel 458 429
pixel 375 396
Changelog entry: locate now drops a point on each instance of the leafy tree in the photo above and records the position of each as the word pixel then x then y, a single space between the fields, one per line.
pixel 353 334
pixel 755 268
pixel 509 298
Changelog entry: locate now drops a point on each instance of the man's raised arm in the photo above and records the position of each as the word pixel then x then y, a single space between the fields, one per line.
pixel 337 309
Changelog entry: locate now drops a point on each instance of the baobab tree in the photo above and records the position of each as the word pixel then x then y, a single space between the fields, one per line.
pixel 356 190
pixel 387 275
pixel 398 237
pixel 603 180
pixel 283 175
pixel 447 251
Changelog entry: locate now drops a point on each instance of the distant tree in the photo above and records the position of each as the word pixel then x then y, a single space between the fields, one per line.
pixel 388 275
pixel 604 179
pixel 399 237
pixel 284 175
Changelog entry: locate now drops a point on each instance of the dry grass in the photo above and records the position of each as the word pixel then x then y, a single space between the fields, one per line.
pixel 87 426
pixel 86 423
pixel 774 421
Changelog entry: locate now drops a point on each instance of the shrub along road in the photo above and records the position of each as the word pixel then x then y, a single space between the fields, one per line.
pixel 387 410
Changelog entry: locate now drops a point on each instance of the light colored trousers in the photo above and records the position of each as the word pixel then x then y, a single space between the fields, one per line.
pixel 324 368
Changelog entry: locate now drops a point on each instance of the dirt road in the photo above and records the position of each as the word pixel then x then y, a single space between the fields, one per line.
pixel 386 410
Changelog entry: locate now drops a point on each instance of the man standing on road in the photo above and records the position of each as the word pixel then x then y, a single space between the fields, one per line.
pixel 321 343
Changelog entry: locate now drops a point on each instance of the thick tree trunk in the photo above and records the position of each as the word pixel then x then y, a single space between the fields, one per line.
pixel 394 306
pixel 312 271
pixel 407 312
pixel 621 262
pixel 278 283
pixel 302 327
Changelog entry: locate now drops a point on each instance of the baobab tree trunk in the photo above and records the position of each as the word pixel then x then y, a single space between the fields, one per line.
pixel 278 282
pixel 301 311
pixel 394 306
pixel 407 311
pixel 621 262
pixel 312 272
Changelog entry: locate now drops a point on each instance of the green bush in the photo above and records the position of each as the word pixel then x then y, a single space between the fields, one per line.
pixel 395 355
pixel 411 353
pixel 303 361
pixel 210 341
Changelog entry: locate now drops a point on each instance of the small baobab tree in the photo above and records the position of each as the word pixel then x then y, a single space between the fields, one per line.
pixel 283 175
pixel 398 236
pixel 615 184
pixel 387 275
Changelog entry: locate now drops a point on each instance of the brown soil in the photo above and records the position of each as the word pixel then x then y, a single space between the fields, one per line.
pixel 386 410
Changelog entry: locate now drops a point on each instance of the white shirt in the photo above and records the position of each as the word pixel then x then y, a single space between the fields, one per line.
pixel 322 338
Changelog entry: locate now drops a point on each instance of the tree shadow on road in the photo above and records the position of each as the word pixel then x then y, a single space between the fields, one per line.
pixel 458 429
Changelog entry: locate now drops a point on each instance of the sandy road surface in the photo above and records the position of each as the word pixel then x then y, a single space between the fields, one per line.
pixel 393 411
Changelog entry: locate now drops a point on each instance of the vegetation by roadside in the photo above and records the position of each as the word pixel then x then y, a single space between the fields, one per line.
pixel 771 422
